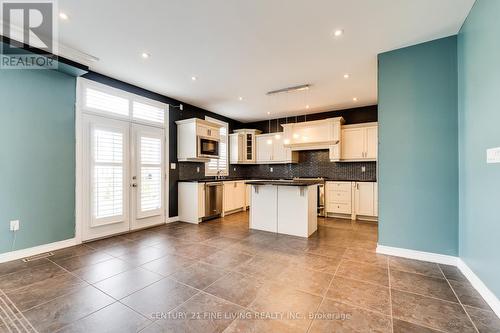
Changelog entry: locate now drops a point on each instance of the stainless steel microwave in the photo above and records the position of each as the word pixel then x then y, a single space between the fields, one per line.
pixel 207 147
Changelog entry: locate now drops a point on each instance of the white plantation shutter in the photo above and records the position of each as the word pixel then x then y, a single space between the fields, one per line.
pixel 115 103
pixel 148 112
pixel 108 182
pixel 219 164
pixel 151 175
pixel 100 101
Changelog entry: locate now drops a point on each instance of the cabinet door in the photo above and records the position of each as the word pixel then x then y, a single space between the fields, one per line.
pixel 228 196
pixel 239 195
pixel 375 199
pixel 264 148
pixel 235 151
pixel 371 137
pixel 353 143
pixel 364 199
pixel 248 195
pixel 279 150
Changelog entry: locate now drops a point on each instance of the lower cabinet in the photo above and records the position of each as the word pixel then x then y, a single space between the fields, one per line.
pixel 234 196
pixel 354 199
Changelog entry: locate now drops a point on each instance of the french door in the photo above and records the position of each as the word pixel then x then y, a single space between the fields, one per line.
pixel 124 176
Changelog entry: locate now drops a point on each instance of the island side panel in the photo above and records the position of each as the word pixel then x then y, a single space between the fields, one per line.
pixel 263 210
pixel 297 210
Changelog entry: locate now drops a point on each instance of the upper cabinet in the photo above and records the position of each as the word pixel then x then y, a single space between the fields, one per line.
pixel 242 146
pixel 197 140
pixel 271 150
pixel 317 134
pixel 359 142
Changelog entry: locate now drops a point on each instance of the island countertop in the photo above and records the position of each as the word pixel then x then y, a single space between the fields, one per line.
pixel 299 182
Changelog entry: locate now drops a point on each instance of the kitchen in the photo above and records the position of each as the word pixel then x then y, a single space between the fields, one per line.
pixel 338 159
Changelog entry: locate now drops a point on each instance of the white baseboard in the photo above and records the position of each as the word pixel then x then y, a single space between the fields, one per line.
pixel 417 255
pixel 481 288
pixel 172 219
pixel 476 282
pixel 19 254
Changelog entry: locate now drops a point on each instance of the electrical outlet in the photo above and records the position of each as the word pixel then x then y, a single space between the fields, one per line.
pixel 14 225
pixel 271 169
pixel 363 169
pixel 198 169
pixel 234 169
pixel 173 166
pixel 493 155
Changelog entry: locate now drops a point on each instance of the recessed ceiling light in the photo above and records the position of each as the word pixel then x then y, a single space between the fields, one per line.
pixel 346 76
pixel 338 32
pixel 355 99
pixel 194 78
pixel 240 98
pixel 63 16
pixel 307 106
pixel 145 55
pixel 268 112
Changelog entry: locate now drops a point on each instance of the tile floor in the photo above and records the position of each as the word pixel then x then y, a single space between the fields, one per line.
pixel 220 276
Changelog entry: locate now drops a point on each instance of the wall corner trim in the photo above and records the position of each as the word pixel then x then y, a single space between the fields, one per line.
pixel 19 254
pixel 172 219
pixel 481 288
pixel 417 255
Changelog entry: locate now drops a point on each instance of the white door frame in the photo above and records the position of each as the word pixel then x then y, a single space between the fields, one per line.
pixel 79 146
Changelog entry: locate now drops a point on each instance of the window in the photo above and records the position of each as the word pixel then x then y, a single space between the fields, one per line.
pixel 115 103
pixel 101 101
pixel 219 165
pixel 148 112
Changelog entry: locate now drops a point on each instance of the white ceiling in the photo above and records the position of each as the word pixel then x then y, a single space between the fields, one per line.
pixel 246 48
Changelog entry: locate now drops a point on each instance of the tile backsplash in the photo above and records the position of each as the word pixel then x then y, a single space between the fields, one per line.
pixel 313 163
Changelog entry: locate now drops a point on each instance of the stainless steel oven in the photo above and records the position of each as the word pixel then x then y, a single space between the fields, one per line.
pixel 207 147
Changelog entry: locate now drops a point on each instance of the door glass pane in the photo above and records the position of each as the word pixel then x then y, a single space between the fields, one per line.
pixel 108 191
pixel 150 188
pixel 108 174
pixel 151 174
pixel 150 150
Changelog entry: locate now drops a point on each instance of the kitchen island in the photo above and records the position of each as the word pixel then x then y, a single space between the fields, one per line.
pixel 284 206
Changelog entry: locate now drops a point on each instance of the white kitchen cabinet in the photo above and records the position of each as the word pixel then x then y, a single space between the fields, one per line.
pixel 242 147
pixel 191 201
pixel 371 142
pixel 353 199
pixel 271 150
pixel 338 197
pixel 359 142
pixel 234 196
pixel 264 146
pixel 365 199
pixel 188 132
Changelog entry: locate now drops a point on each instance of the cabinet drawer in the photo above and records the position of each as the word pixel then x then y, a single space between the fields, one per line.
pixel 339 186
pixel 339 196
pixel 340 208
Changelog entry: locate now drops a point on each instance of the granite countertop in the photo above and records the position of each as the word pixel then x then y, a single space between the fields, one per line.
pixel 285 182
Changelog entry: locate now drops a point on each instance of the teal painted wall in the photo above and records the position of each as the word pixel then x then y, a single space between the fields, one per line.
pixel 479 129
pixel 418 148
pixel 37 156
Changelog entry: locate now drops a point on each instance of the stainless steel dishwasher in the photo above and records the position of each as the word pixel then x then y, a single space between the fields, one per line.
pixel 213 200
